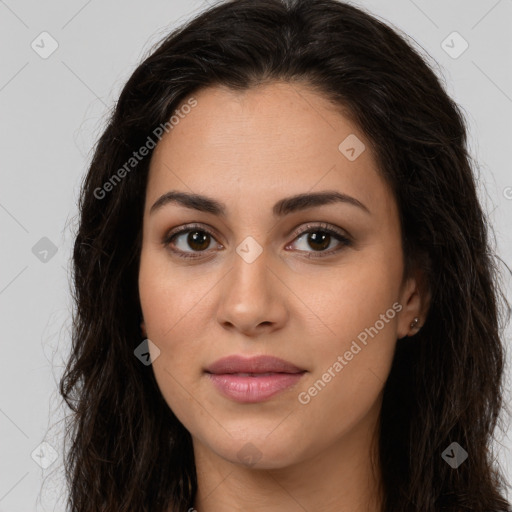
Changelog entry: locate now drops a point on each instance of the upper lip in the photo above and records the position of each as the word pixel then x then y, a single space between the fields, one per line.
pixel 257 364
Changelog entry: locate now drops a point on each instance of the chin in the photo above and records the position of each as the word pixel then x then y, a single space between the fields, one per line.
pixel 256 452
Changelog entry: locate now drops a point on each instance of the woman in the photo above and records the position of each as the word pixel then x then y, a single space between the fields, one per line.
pixel 285 295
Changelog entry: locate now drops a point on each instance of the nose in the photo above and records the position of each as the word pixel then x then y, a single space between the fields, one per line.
pixel 253 298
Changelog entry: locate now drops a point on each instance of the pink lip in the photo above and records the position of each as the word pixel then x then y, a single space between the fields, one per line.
pixel 225 375
pixel 256 364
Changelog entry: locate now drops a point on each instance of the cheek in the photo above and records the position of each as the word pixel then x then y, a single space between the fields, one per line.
pixel 352 296
pixel 358 310
pixel 350 371
pixel 168 299
pixel 170 306
pixel 360 346
pixel 172 310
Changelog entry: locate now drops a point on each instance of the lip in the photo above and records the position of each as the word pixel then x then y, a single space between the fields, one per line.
pixel 256 364
pixel 271 376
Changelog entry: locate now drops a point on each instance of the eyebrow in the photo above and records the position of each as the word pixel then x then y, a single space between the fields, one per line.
pixel 281 208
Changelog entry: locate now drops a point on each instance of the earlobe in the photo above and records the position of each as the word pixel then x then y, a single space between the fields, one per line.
pixel 416 301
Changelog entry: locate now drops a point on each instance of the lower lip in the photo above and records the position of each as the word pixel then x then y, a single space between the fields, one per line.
pixel 253 389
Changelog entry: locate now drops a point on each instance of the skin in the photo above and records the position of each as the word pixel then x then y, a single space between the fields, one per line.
pixel 248 150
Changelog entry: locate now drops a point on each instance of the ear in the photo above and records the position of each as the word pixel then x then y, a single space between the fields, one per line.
pixel 415 297
pixel 143 329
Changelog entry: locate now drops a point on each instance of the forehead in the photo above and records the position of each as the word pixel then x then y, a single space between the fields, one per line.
pixel 270 139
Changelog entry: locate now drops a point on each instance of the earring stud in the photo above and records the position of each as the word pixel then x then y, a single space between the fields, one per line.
pixel 414 323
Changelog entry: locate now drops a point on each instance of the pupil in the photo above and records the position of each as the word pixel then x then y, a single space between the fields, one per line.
pixel 198 241
pixel 314 238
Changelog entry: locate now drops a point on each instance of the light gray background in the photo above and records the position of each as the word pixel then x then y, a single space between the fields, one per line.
pixel 52 112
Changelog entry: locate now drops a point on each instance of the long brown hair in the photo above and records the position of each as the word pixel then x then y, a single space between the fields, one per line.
pixel 128 451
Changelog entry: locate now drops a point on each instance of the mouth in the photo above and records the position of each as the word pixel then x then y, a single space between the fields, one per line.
pixel 253 380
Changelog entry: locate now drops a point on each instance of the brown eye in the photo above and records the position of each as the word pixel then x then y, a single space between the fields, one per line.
pixel 198 240
pixel 194 241
pixel 319 240
pixel 187 242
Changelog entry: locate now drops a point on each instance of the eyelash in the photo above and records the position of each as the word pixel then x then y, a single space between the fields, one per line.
pixel 309 228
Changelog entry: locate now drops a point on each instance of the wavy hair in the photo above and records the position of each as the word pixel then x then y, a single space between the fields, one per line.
pixel 127 450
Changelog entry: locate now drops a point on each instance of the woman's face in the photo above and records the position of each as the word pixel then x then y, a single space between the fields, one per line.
pixel 332 303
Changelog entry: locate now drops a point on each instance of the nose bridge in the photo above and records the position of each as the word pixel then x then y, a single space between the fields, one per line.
pixel 249 276
pixel 250 294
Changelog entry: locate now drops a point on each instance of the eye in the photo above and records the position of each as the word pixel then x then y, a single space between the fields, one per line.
pixel 199 239
pixel 320 238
